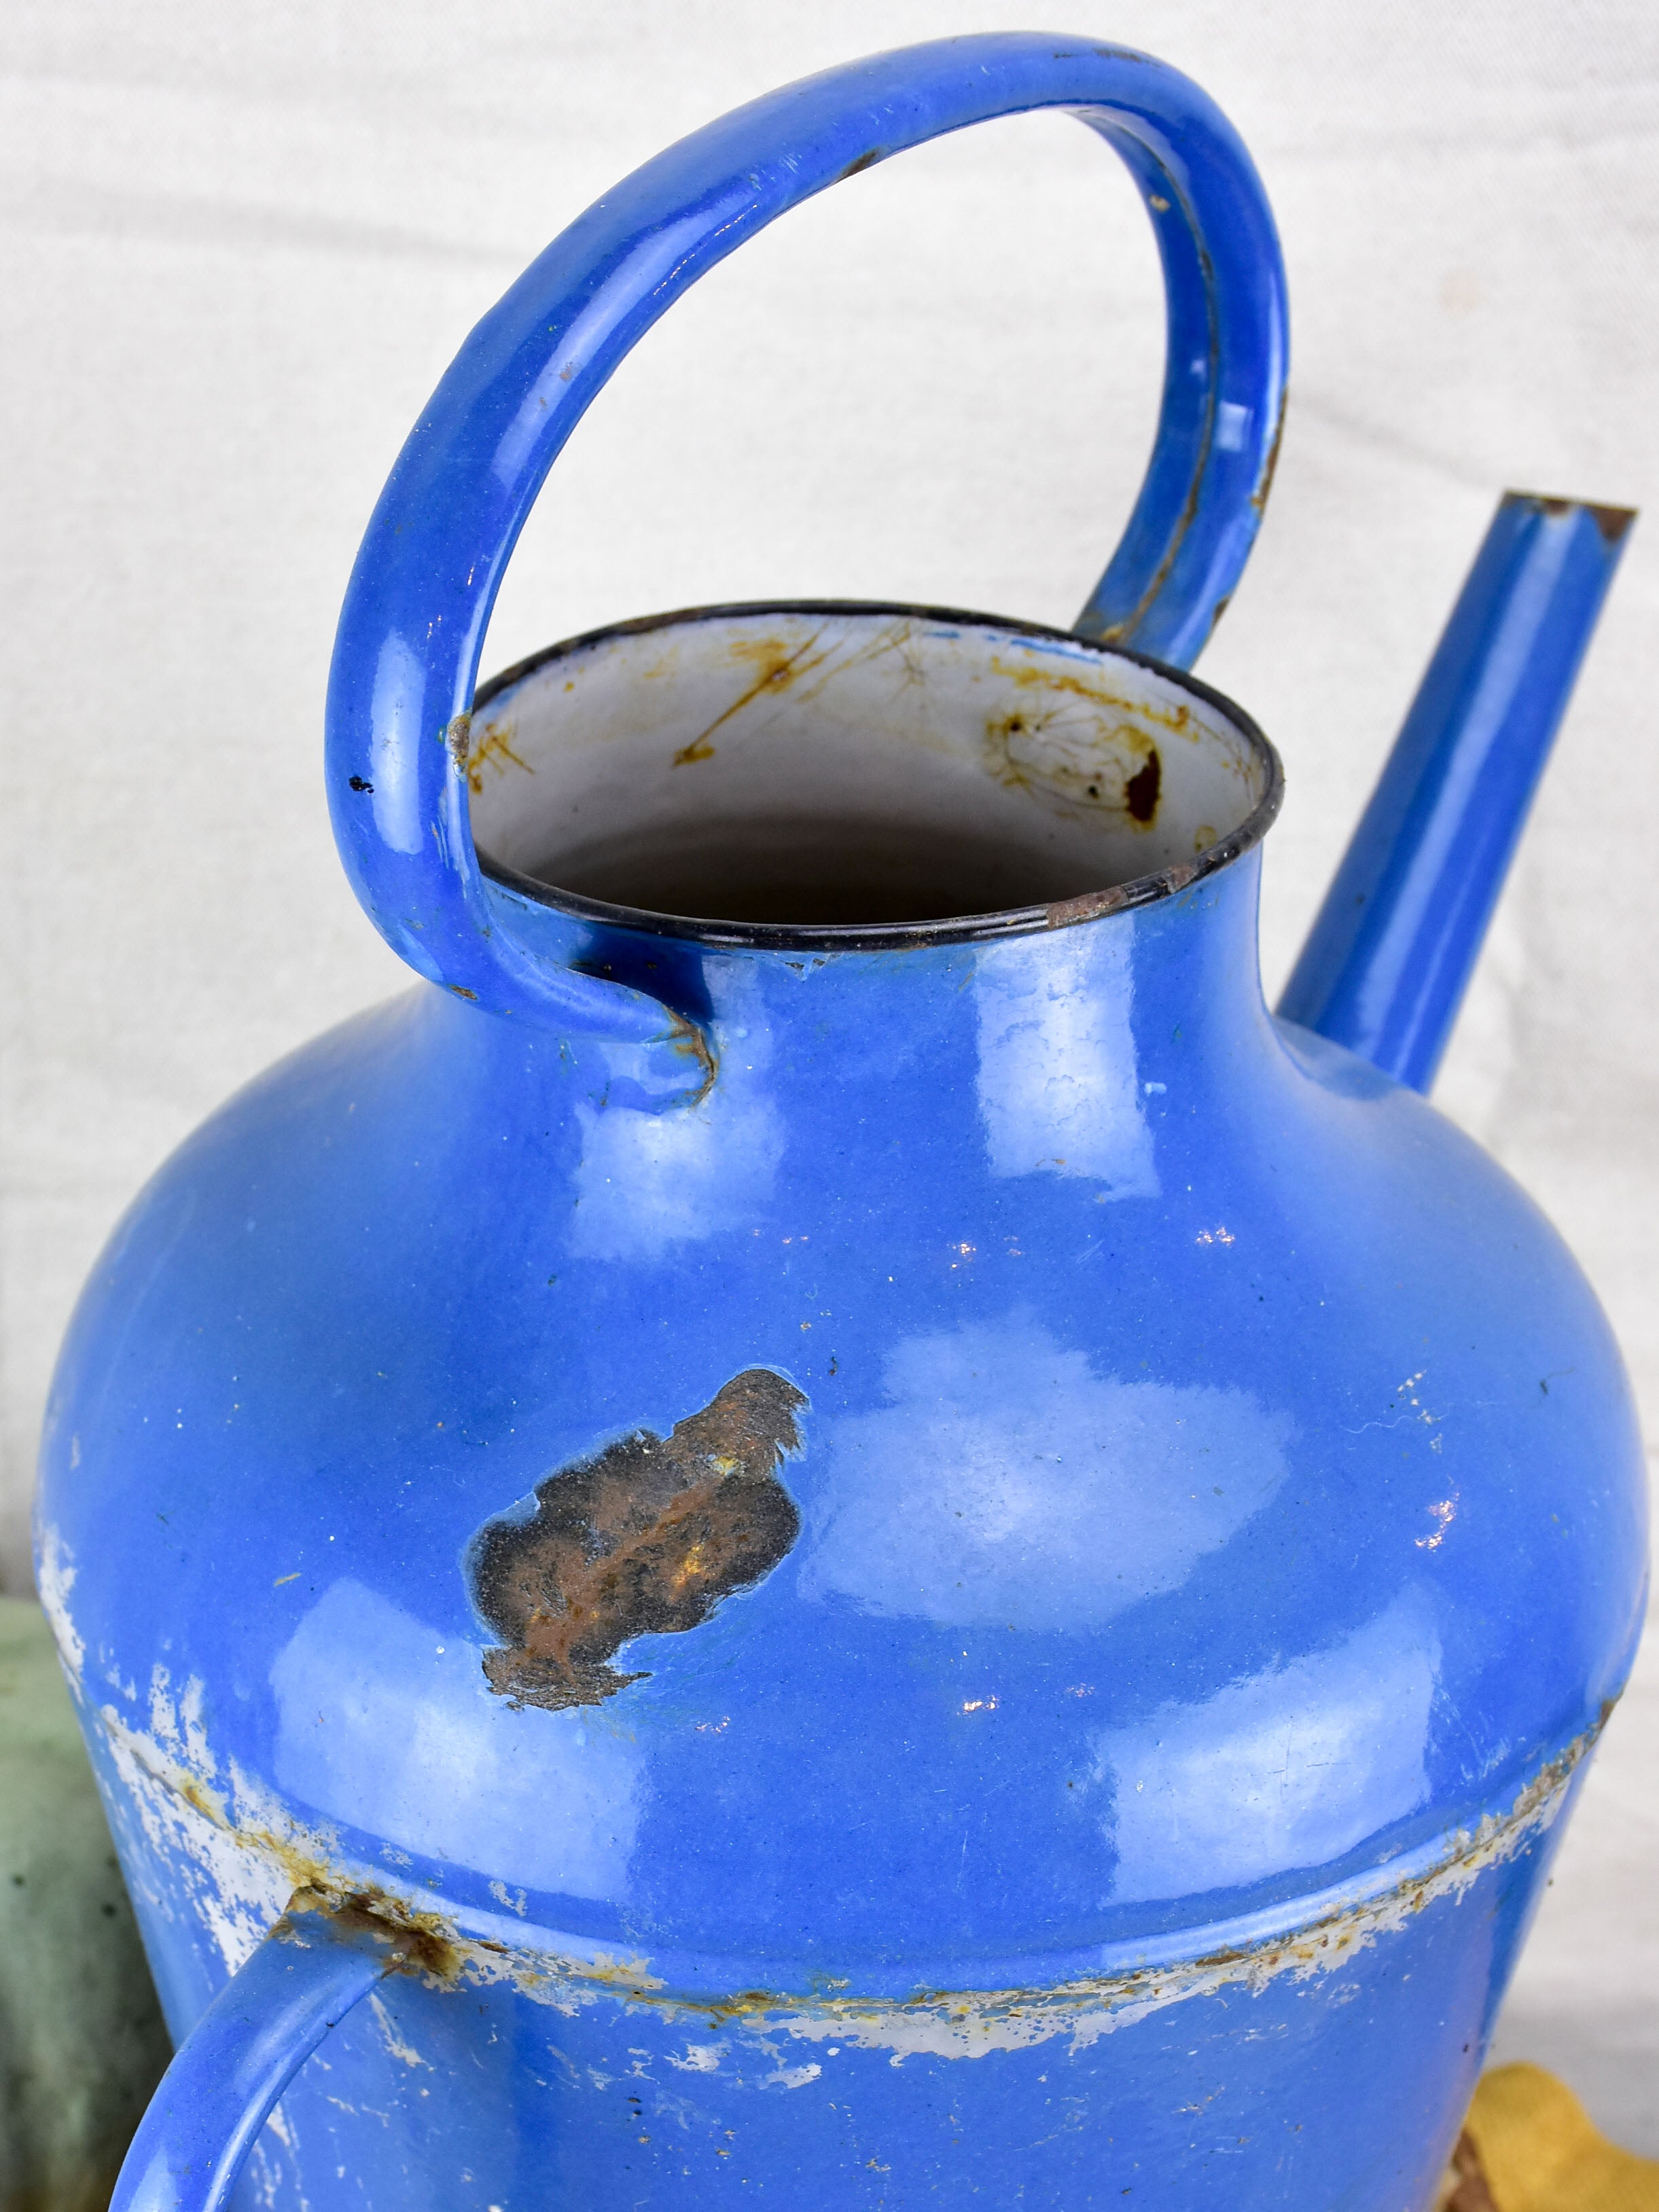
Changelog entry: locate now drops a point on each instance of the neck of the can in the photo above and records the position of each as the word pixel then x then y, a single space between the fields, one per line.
pixel 1123 1007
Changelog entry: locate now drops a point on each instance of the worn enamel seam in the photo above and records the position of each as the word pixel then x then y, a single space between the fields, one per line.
pixel 943 2024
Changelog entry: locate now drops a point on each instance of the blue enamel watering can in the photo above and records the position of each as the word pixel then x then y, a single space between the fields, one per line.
pixel 826 1525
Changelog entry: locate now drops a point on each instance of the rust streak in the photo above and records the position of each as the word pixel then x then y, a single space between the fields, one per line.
pixel 1032 676
pixel 1264 483
pixel 415 1942
pixel 779 670
pixel 1119 633
pixel 1062 913
pixel 693 1040
pixel 494 749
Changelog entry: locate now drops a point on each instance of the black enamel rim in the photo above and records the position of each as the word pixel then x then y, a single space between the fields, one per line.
pixel 878 936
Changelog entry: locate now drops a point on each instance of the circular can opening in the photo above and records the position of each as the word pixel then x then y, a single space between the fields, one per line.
pixel 832 772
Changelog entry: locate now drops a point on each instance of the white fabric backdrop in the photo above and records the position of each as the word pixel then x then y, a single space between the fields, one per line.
pixel 238 245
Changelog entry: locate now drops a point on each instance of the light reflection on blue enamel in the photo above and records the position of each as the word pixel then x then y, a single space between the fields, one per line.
pixel 388 1724
pixel 1293 1768
pixel 1006 1483
pixel 397 810
pixel 1058 1087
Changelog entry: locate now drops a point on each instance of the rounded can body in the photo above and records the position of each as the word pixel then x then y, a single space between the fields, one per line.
pixel 1008 1603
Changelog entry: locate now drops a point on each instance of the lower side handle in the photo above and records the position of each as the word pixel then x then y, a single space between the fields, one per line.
pixel 316 1963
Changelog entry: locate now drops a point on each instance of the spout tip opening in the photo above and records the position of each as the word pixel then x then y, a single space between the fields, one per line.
pixel 1612 522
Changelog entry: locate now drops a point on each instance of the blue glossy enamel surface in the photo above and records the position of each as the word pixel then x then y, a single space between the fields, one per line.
pixel 1217 1480
pixel 903 1569
pixel 1388 957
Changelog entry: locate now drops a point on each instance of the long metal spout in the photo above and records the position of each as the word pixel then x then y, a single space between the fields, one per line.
pixel 1388 959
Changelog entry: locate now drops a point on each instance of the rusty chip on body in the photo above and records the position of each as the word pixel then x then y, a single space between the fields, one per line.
pixel 647 1536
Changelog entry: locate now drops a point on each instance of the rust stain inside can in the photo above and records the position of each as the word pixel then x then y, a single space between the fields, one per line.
pixel 647 1537
pixel 1140 792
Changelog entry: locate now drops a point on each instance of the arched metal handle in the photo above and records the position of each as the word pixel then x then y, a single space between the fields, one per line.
pixel 316 1963
pixel 406 658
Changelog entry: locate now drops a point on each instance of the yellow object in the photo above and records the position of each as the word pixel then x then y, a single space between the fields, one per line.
pixel 1538 2151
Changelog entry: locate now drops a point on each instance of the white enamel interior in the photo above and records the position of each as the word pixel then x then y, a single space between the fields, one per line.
pixel 847 767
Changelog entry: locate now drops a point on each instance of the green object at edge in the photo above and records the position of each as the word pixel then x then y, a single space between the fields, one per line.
pixel 82 2039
